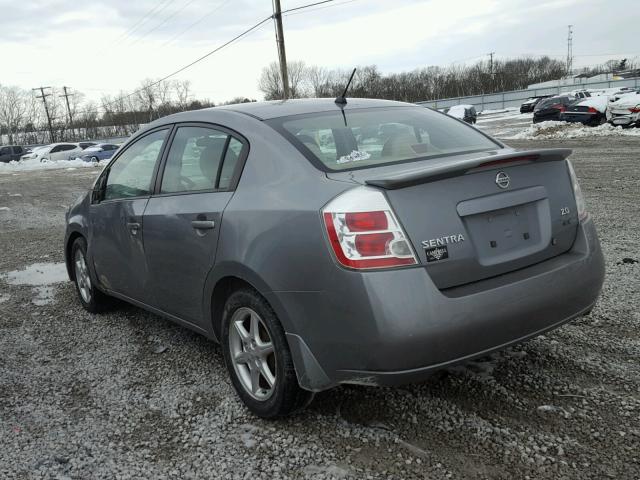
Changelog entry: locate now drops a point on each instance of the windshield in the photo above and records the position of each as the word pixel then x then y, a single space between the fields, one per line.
pixel 379 136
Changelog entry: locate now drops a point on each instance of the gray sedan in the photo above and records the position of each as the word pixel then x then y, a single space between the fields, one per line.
pixel 322 243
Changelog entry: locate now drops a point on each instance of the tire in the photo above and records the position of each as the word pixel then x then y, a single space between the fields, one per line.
pixel 276 392
pixel 92 299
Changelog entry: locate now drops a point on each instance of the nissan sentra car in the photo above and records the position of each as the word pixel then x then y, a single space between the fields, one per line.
pixel 319 246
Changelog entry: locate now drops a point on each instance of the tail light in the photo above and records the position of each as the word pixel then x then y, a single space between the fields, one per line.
pixel 577 193
pixel 364 232
pixel 635 109
pixel 592 110
pixel 559 106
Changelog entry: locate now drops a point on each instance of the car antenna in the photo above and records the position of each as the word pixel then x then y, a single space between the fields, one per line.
pixel 342 100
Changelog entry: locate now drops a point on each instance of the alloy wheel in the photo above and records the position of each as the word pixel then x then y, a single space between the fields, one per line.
pixel 83 280
pixel 252 353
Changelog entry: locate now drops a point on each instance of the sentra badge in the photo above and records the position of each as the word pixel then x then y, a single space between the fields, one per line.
pixel 441 241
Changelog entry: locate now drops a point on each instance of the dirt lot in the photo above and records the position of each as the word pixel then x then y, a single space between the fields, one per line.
pixel 130 395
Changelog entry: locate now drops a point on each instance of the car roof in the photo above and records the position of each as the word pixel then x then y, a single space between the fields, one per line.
pixel 284 108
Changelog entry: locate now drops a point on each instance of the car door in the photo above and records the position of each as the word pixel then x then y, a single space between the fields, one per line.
pixel 56 153
pixel 5 154
pixel 17 152
pixel 120 198
pixel 182 220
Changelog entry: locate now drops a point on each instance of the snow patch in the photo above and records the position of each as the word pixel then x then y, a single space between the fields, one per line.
pixel 42 277
pixel 354 156
pixel 4 297
pixel 38 274
pixel 34 164
pixel 558 130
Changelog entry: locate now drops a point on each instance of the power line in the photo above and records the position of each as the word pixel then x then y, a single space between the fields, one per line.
pixel 141 21
pixel 302 7
pixel 314 9
pixel 208 54
pixel 176 12
pixel 198 60
pixel 200 20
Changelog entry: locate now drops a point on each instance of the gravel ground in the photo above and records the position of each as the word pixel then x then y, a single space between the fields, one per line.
pixel 130 395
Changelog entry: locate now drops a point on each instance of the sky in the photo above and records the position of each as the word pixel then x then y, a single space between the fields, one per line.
pixel 101 47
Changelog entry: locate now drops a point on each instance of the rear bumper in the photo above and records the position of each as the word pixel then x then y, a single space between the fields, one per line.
pixel 546 118
pixel 394 327
pixel 584 118
pixel 624 120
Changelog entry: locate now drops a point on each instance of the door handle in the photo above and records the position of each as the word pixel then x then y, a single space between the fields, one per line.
pixel 203 224
pixel 134 227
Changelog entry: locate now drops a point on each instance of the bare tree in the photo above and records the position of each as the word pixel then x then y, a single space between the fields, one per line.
pixel 270 83
pixel 182 89
pixel 13 108
pixel 147 97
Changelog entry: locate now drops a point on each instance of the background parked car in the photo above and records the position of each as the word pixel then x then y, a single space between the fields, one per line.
pixel 551 108
pixel 11 153
pixel 32 152
pixel 625 111
pixel 464 112
pixel 589 111
pixel 97 152
pixel 529 104
pixel 55 152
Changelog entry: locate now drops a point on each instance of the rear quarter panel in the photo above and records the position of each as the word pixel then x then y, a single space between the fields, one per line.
pixel 271 232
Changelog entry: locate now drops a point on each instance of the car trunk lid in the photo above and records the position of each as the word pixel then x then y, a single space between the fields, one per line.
pixel 467 222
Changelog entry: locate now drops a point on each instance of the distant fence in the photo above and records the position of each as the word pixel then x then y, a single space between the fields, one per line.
pixel 495 101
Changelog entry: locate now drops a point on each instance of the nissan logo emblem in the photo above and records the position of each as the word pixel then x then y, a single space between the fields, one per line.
pixel 502 180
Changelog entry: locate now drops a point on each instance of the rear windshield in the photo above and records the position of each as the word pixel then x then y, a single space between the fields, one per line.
pixel 379 136
pixel 547 102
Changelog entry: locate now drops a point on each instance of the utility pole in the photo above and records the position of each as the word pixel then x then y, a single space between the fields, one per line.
pixel 491 54
pixel 569 50
pixel 66 97
pixel 44 96
pixel 277 16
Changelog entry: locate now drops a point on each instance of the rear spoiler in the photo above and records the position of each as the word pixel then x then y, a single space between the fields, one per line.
pixel 460 167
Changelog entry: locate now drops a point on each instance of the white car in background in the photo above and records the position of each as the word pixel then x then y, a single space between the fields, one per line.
pixel 625 110
pixel 54 152
pixel 33 153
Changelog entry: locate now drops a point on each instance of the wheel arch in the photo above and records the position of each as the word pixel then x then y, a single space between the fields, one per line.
pixel 222 281
pixel 73 236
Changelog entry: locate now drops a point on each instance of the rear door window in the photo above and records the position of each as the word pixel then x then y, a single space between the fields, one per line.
pixel 229 164
pixel 194 160
pixel 201 159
